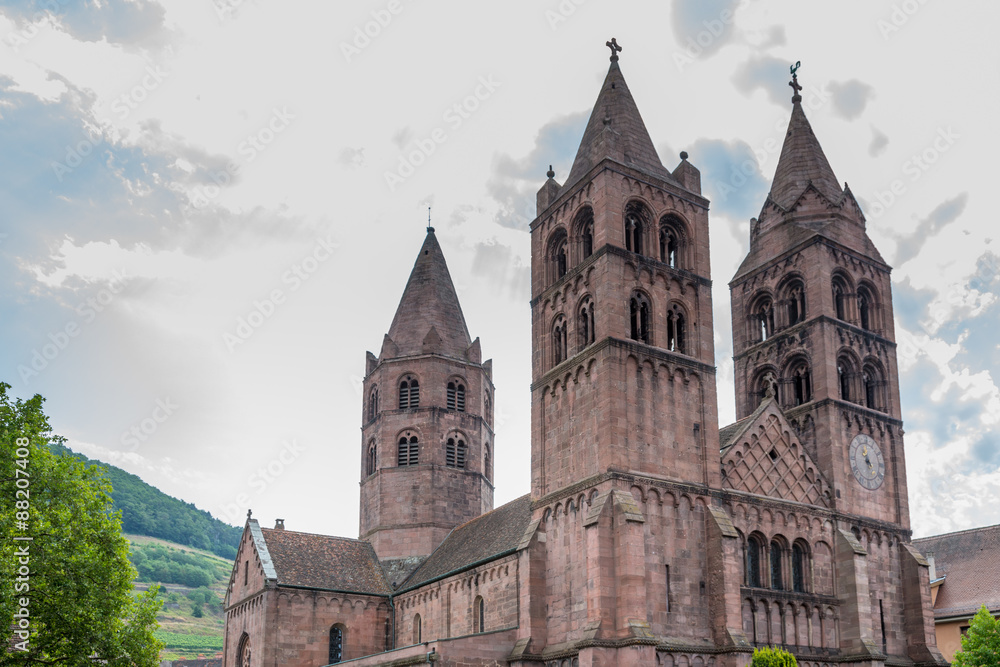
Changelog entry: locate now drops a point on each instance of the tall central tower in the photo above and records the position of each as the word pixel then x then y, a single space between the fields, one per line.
pixel 622 349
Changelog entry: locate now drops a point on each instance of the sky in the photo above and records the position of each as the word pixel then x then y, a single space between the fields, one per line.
pixel 209 210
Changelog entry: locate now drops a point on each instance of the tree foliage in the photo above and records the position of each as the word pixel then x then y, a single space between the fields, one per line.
pixel 78 587
pixel 981 644
pixel 772 657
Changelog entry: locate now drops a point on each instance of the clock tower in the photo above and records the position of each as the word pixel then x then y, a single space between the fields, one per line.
pixel 813 335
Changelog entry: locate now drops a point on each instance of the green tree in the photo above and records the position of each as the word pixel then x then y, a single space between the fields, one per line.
pixel 76 584
pixel 772 657
pixel 981 644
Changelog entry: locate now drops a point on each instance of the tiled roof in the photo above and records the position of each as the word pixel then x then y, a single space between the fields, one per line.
pixel 969 561
pixel 322 561
pixel 481 539
pixel 398 569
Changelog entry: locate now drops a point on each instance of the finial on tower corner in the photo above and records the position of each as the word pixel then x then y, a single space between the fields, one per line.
pixel 249 514
pixel 615 49
pixel 684 155
pixel 550 173
pixel 794 83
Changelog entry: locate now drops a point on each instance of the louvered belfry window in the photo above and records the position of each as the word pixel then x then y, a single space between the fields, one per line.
pixel 408 452
pixel 409 394
pixel 455 453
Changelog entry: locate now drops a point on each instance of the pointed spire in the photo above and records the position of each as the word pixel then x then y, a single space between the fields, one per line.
pixel 802 159
pixel 429 317
pixel 615 130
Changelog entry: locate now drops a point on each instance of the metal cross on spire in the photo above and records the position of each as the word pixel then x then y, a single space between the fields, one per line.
pixel 615 49
pixel 794 83
pixel 429 228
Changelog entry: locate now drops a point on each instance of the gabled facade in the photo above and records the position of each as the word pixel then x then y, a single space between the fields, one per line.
pixel 650 536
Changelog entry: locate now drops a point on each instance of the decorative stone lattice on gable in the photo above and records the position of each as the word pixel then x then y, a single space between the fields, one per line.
pixel 767 460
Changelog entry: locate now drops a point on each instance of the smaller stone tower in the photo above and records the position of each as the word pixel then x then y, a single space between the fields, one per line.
pixel 427 436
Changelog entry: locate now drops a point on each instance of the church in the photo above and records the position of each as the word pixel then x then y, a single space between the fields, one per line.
pixel 651 536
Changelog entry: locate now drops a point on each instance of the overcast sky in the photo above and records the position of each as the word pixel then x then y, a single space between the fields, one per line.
pixel 209 209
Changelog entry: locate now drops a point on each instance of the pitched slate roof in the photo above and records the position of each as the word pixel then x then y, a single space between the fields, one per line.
pixel 325 562
pixel 969 561
pixel 616 130
pixel 429 317
pixel 486 537
pixel 801 162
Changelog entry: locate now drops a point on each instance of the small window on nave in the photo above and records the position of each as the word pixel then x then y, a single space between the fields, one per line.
pixel 336 653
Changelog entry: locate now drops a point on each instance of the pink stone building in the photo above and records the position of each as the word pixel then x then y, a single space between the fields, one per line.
pixel 650 536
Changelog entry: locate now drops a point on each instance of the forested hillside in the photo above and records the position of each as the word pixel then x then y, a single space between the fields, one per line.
pixel 148 511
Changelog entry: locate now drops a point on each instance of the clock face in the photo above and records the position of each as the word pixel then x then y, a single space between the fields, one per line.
pixel 867 462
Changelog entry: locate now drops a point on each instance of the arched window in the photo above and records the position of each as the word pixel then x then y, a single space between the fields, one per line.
pixel 558 258
pixel 585 323
pixel 864 311
pixel 488 408
pixel 559 341
pixel 583 229
pixel 799 557
pixel 456 396
pixel 795 301
pixel 873 384
pixel 244 653
pixel 840 292
pixel 754 549
pixel 588 237
pixel 671 242
pixel 639 317
pixel 486 460
pixel 409 393
pixel 776 557
pixel 762 319
pixel 417 629
pixel 801 381
pixel 372 464
pixel 676 330
pixel 409 451
pixel 635 226
pixel 867 309
pixel 373 403
pixel 336 644
pixel 845 375
pixel 479 615
pixel 455 452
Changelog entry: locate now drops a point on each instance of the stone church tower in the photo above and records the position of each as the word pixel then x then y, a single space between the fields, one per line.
pixel 651 536
pixel 623 374
pixel 813 334
pixel 427 433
